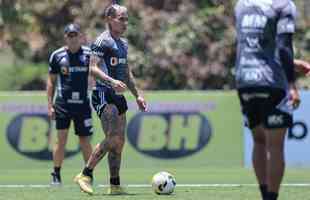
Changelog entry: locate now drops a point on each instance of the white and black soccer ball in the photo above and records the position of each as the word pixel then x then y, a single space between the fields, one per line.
pixel 163 183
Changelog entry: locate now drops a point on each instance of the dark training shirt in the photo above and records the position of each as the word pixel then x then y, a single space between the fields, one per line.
pixel 258 23
pixel 114 54
pixel 72 70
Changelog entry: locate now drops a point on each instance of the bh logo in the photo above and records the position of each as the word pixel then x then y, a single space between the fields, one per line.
pixel 30 135
pixel 169 135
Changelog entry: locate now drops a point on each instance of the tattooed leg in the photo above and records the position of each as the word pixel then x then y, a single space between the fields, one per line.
pixel 107 121
pixel 115 155
pixel 117 143
pixel 114 160
pixel 98 153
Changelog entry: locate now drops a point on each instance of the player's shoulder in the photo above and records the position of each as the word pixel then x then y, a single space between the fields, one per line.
pixel 104 39
pixel 58 53
pixel 238 5
pixel 290 8
pixel 86 49
pixel 285 7
pixel 124 41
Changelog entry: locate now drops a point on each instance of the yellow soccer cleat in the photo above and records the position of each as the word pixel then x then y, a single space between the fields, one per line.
pixel 85 183
pixel 116 190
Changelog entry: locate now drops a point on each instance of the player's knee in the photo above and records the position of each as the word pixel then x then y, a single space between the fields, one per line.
pixel 120 139
pixel 276 148
pixel 117 143
pixel 60 143
pixel 259 139
pixel 108 143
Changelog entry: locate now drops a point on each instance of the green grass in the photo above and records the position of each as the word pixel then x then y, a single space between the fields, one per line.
pixel 72 193
pixel 142 176
pixel 219 162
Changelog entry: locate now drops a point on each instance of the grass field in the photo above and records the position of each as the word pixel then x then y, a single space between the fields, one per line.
pixel 243 187
pixel 216 172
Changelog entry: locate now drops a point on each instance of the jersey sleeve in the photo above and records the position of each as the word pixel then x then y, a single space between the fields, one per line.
pixel 287 19
pixel 99 48
pixel 53 66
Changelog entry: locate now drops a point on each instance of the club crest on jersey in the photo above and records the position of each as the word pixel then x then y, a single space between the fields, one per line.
pixel 64 70
pixel 115 61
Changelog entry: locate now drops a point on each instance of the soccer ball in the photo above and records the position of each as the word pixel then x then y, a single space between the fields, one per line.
pixel 163 183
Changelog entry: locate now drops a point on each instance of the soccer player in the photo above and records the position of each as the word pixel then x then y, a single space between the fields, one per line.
pixel 108 63
pixel 266 83
pixel 69 69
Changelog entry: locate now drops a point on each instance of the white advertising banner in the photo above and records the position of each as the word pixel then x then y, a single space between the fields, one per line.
pixel 297 144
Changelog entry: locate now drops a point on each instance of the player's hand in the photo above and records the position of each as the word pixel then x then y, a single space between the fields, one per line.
pixel 141 103
pixel 118 86
pixel 51 112
pixel 294 96
pixel 302 66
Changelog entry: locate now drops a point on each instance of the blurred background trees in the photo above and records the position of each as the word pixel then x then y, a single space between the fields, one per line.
pixel 174 44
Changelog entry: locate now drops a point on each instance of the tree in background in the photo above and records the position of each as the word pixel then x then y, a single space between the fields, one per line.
pixel 174 44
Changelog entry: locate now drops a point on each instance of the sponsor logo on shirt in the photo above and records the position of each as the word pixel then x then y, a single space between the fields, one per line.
pixel 78 69
pixel 251 61
pixel 254 21
pixel 115 61
pixel 75 98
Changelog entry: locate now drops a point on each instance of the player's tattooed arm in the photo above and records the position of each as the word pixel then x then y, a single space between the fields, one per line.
pixel 95 71
pixel 94 63
pixel 131 84
pixel 50 89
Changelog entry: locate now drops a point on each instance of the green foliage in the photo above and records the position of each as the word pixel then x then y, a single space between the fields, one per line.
pixel 186 47
pixel 173 44
pixel 23 77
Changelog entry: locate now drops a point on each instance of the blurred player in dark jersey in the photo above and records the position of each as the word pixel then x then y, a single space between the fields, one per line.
pixel 68 73
pixel 109 65
pixel 266 83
